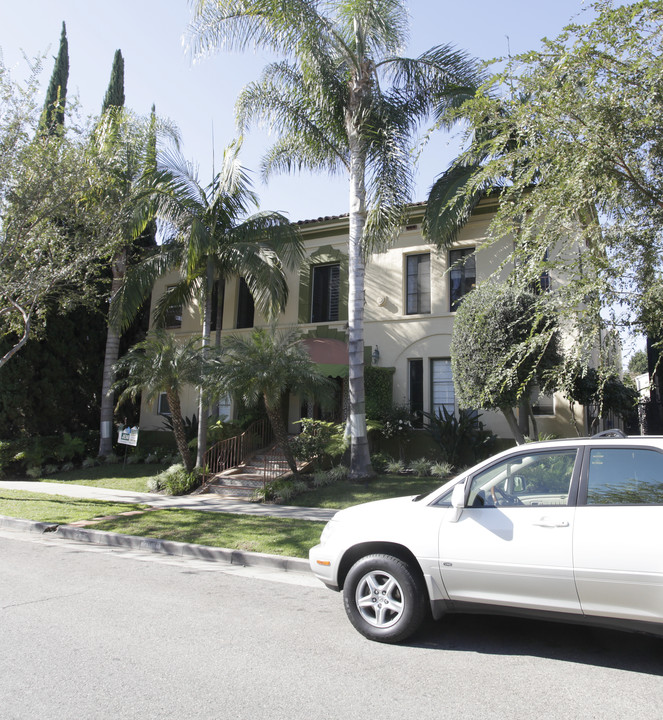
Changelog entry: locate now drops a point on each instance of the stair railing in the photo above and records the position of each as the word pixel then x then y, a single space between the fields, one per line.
pixel 234 451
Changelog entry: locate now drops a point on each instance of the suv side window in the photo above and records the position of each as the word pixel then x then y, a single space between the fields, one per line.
pixel 540 479
pixel 625 476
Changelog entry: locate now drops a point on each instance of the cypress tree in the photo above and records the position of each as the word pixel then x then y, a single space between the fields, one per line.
pixel 115 94
pixel 52 115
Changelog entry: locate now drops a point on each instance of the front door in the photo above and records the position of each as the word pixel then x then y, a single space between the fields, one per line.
pixel 512 544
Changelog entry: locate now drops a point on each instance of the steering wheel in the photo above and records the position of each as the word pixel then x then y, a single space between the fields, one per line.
pixel 504 497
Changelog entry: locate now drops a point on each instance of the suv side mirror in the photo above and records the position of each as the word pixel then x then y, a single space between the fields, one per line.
pixel 457 502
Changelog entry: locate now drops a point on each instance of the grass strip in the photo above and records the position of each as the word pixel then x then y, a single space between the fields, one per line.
pixel 345 493
pixel 114 477
pixel 276 536
pixel 57 508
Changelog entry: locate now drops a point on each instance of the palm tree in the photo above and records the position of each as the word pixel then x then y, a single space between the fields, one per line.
pixel 160 364
pixel 209 243
pixel 125 147
pixel 343 101
pixel 265 365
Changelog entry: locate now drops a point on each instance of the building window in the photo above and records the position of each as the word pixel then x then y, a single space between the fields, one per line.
pixel 416 389
pixel 163 408
pixel 216 322
pixel 245 307
pixel 173 315
pixel 224 408
pixel 462 275
pixel 542 283
pixel 442 387
pixel 418 284
pixel 325 294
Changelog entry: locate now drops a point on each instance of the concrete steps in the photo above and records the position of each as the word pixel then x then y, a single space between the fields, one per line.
pixel 244 480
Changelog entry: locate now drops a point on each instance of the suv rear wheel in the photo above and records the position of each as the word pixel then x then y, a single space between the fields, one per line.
pixel 384 599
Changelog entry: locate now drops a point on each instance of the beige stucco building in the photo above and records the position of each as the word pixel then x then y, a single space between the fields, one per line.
pixel 411 293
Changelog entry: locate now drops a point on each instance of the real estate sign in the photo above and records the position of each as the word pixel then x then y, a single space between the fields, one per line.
pixel 128 436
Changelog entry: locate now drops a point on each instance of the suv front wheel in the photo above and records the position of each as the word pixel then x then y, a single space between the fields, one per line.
pixel 384 599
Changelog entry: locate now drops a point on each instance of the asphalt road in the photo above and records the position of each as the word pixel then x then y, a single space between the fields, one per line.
pixel 95 632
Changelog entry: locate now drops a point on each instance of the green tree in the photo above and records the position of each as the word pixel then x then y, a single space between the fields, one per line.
pixel 211 242
pixel 161 364
pixel 342 100
pixel 638 364
pixel 266 365
pixel 52 116
pixel 114 97
pixel 503 345
pixel 575 129
pixel 47 215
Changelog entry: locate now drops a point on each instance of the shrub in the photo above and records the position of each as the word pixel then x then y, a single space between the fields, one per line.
pixel 319 439
pixel 176 480
pixel 90 462
pixel 395 467
pixel 34 471
pixel 69 449
pixel 321 479
pixel 379 461
pixel 441 469
pixel 285 492
pixel 421 467
pixel 340 472
pixel 463 438
pixel 50 469
pixel 111 459
pixel 5 456
pixel 190 426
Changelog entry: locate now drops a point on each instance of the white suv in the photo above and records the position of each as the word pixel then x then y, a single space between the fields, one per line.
pixel 568 529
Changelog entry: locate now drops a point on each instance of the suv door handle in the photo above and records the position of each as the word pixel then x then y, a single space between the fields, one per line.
pixel 545 522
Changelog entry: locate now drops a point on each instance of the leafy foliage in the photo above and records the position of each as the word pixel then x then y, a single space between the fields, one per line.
pixel 463 438
pixel 47 217
pixel 319 440
pixel 161 364
pixel 504 342
pixel 569 139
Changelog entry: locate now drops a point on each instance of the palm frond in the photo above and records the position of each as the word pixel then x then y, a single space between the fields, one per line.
pixel 451 201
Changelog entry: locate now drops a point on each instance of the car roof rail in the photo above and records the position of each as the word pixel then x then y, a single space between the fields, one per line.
pixel 614 433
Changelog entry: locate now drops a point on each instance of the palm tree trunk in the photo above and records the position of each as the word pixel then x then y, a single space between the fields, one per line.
pixel 202 395
pixel 360 460
pixel 178 429
pixel 281 435
pixel 111 355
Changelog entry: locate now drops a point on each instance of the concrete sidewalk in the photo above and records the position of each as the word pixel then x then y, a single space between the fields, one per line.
pixel 204 503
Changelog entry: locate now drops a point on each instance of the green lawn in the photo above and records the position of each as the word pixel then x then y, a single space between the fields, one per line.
pixel 56 508
pixel 346 493
pixel 276 536
pixel 115 477
pixel 242 532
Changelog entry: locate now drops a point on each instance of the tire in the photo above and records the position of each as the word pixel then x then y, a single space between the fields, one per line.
pixel 384 599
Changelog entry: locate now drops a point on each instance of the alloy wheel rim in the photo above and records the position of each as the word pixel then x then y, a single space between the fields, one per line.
pixel 379 599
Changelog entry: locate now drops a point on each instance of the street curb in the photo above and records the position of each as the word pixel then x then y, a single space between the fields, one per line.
pixel 165 547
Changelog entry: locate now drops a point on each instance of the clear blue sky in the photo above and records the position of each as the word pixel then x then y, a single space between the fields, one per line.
pixel 198 96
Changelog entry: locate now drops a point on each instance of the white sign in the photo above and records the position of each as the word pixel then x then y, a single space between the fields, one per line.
pixel 128 436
